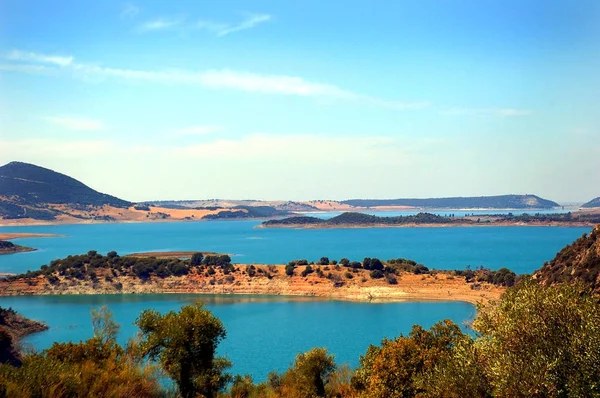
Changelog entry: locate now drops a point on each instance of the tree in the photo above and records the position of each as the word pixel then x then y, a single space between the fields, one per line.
pixel 541 341
pixel 395 368
pixel 310 373
pixel 185 343
pixel 289 269
pixel 323 261
pixel 366 263
pixel 376 264
pixel 196 259
pixel 345 262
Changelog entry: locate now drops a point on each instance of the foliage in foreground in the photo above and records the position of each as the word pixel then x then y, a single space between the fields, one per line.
pixel 535 342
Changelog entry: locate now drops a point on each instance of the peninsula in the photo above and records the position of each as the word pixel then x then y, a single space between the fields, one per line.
pixel 360 220
pixel 369 280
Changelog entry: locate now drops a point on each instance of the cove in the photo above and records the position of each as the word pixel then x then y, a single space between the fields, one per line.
pixel 264 333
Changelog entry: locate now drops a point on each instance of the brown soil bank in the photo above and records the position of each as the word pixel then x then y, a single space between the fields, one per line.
pixel 332 282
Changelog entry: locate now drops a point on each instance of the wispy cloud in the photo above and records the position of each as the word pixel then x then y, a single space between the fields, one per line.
pixel 16 55
pixel 129 11
pixel 233 80
pixel 223 29
pixel 502 112
pixel 219 29
pixel 160 24
pixel 76 123
pixel 198 130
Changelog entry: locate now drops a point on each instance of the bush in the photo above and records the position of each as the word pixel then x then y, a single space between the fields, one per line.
pixel 196 259
pixel 308 270
pixel 289 269
pixel 376 274
pixel 391 279
pixel 349 275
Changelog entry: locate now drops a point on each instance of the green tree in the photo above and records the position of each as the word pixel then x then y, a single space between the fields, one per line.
pixel 185 343
pixel 310 373
pixel 541 341
pixel 196 259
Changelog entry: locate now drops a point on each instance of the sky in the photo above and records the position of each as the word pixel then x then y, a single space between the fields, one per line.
pixel 301 100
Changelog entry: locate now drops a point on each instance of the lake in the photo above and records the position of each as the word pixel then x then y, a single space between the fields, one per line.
pixel 263 333
pixel 522 249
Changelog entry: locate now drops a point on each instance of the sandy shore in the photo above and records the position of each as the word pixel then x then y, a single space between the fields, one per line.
pixel 271 280
pixel 19 235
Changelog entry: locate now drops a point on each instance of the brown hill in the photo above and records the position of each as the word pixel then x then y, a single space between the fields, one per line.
pixel 577 262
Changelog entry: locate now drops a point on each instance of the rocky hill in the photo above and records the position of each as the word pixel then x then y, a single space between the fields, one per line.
pixel 13 327
pixel 577 262
pixel 26 190
pixel 481 202
pixel 592 203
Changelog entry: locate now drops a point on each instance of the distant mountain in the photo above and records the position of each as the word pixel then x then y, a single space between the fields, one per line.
pixel 481 202
pixel 27 189
pixel 592 203
pixel 577 262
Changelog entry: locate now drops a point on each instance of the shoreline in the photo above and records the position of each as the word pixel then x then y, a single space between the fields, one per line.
pixel 22 235
pixel 425 225
pixel 269 280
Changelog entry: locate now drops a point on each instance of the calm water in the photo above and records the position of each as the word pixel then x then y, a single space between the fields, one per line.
pixel 523 249
pixel 263 334
pixel 266 334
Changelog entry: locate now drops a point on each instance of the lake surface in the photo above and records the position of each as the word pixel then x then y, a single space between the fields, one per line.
pixel 522 249
pixel 263 333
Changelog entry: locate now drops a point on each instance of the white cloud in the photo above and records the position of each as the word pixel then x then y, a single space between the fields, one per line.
pixel 234 80
pixel 160 24
pixel 26 68
pixel 76 123
pixel 503 112
pixel 129 11
pixel 222 29
pixel 39 58
pixel 198 130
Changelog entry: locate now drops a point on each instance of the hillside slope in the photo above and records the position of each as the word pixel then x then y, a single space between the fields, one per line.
pixel 31 184
pixel 26 190
pixel 483 202
pixel 577 262
pixel 592 203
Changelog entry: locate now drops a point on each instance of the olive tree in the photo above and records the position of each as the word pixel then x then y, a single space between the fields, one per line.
pixel 184 343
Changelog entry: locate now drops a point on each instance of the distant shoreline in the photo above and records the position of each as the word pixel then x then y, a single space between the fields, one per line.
pixel 413 225
pixel 74 221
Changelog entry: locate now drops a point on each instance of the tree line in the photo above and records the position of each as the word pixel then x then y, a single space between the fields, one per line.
pixel 535 341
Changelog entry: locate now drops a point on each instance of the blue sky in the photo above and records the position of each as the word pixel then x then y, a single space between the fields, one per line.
pixel 305 100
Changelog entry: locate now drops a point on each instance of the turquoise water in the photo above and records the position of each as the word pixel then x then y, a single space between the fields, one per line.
pixel 523 249
pixel 263 333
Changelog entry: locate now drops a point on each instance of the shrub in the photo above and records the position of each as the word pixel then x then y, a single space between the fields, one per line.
pixel 308 270
pixel 376 274
pixel 289 269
